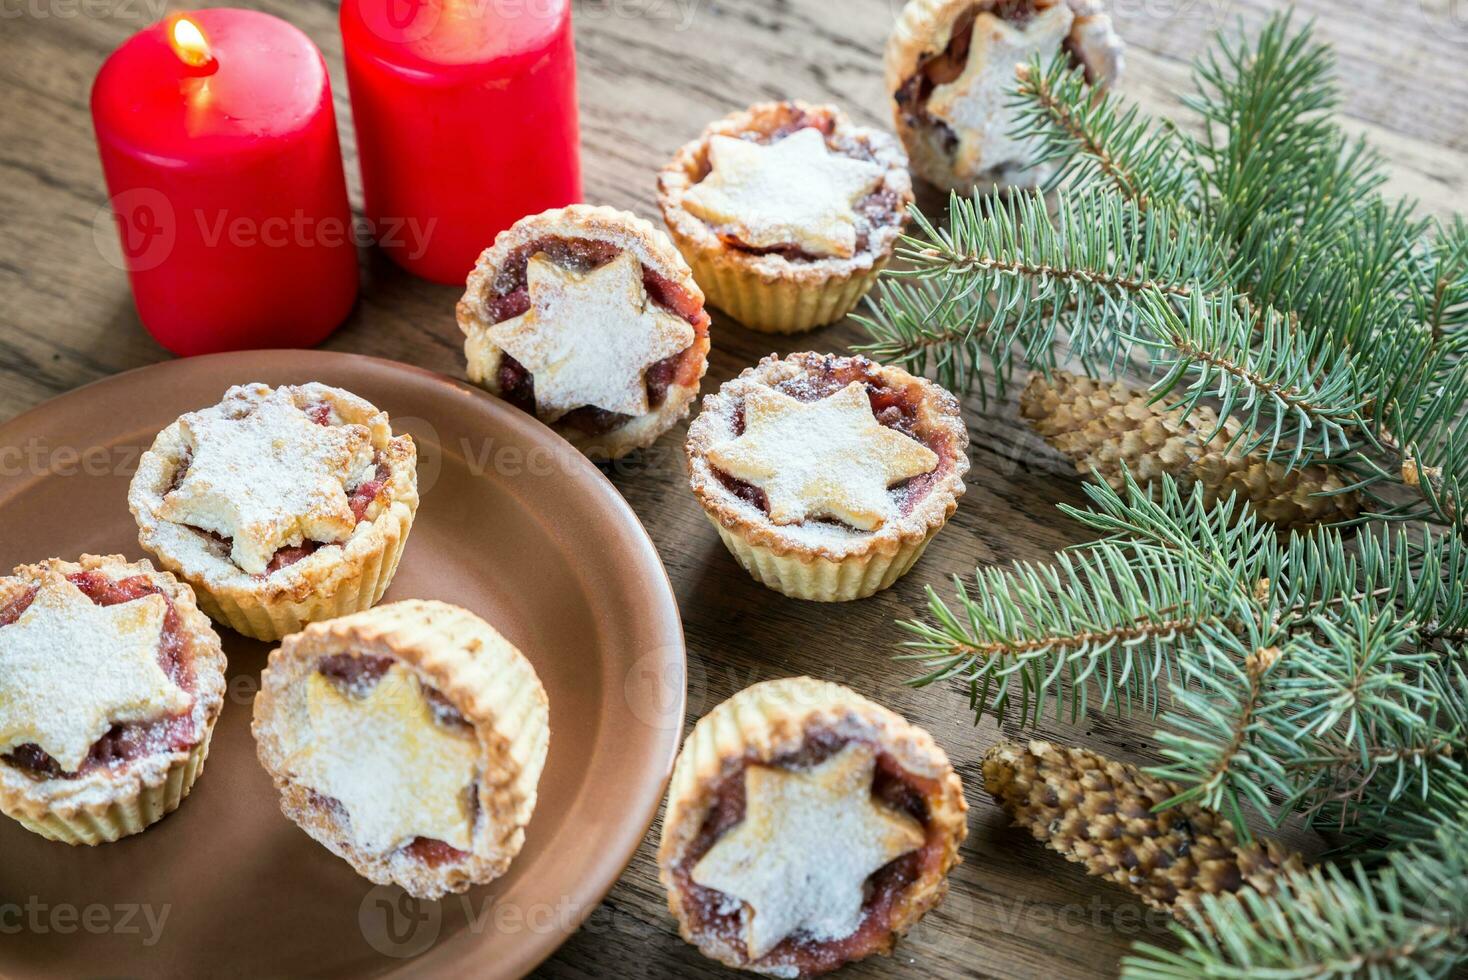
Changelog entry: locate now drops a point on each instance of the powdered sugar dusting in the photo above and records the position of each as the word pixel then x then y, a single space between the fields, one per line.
pixel 398 772
pixel 589 337
pixel 977 105
pixel 826 458
pixel 792 192
pixel 808 841
pixel 71 669
pixel 266 475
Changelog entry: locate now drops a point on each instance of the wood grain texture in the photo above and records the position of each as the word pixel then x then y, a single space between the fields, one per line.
pixel 653 73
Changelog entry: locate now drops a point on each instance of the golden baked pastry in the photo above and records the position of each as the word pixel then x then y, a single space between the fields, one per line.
pixel 787 212
pixel 280 506
pixel 111 680
pixel 408 740
pixel 590 320
pixel 806 827
pixel 828 476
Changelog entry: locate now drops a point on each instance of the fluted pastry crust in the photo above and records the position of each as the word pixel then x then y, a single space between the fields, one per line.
pixel 113 802
pixel 773 719
pixel 477 671
pixel 627 232
pixel 335 580
pixel 771 292
pixel 925 28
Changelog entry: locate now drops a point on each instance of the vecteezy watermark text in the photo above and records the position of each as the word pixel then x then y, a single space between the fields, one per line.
pixel 398 925
pixel 299 228
pixel 141 919
pixel 39 457
pixel 147 226
pixel 138 11
pixel 395 924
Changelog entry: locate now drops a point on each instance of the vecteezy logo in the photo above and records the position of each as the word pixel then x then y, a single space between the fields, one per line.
pixel 403 21
pixel 142 220
pixel 396 924
pixel 655 688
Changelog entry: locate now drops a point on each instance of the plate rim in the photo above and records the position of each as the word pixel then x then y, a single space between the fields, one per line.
pixel 670 620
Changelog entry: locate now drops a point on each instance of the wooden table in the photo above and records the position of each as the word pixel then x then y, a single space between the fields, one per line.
pixel 653 72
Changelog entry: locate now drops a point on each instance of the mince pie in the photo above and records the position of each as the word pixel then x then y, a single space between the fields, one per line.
pixel 588 319
pixel 828 476
pixel 787 212
pixel 279 506
pixel 952 71
pixel 111 680
pixel 807 828
pixel 408 740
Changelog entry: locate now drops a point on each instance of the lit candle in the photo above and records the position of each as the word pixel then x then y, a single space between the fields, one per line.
pixel 466 121
pixel 220 150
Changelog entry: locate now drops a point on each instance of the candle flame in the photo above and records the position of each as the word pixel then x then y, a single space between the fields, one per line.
pixel 189 43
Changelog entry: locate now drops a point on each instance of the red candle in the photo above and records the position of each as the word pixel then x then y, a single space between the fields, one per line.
pixel 220 150
pixel 466 121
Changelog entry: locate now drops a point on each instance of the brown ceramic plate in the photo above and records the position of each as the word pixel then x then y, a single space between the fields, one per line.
pixel 514 525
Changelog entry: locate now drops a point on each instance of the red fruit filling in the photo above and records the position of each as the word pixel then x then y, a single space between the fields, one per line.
pixel 359 499
pixel 896 408
pixel 947 65
pixel 881 208
pixel 361 496
pixel 134 740
pixel 434 853
pixel 710 911
pixel 13 609
pixel 357 676
pixel 511 298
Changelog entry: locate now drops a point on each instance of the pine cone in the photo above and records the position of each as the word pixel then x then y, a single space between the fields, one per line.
pixel 1105 428
pixel 1098 812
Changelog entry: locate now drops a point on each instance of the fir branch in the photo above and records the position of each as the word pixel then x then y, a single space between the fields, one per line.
pixel 1286 393
pixel 1409 760
pixel 1346 351
pixel 1443 299
pixel 1345 272
pixel 1408 919
pixel 1289 254
pixel 1091 139
pixel 1264 275
pixel 1399 820
pixel 1224 537
pixel 1293 677
pixel 1031 633
pixel 906 330
pixel 1269 138
pixel 1222 734
pixel 1109 618
pixel 1420 572
pixel 1434 460
pixel 1090 263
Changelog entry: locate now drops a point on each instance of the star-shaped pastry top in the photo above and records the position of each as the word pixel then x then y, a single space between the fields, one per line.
pixel 71 669
pixel 269 479
pixel 829 458
pixel 976 104
pixel 589 338
pixel 791 192
pixel 808 841
pixel 399 773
